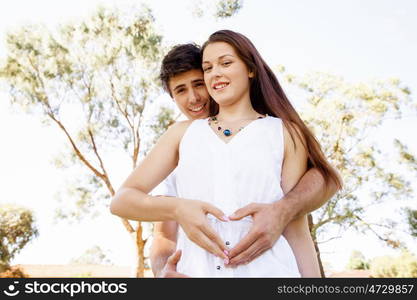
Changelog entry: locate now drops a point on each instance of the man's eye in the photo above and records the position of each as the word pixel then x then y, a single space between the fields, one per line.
pixel 180 91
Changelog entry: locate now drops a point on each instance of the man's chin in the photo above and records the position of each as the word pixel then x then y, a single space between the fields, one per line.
pixel 200 115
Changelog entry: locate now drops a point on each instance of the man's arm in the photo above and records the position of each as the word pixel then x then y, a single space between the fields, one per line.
pixel 297 231
pixel 163 256
pixel 310 193
pixel 163 245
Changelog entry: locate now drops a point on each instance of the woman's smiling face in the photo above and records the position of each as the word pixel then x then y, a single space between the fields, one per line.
pixel 225 74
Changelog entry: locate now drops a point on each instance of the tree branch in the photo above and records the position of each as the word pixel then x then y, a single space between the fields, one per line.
pixel 328 240
pixel 117 101
pixel 75 148
pixel 135 133
pixel 105 175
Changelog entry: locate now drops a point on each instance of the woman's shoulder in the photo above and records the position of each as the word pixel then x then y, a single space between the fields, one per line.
pixel 271 120
pixel 179 128
pixel 277 120
pixel 290 130
pixel 293 135
pixel 183 125
pixel 180 125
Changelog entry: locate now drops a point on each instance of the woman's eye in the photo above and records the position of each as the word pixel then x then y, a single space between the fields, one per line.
pixel 226 63
pixel 206 69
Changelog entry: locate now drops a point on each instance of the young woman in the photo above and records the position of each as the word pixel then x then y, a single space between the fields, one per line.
pixel 254 148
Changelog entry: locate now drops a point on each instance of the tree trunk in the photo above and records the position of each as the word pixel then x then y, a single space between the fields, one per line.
pixel 316 247
pixel 140 247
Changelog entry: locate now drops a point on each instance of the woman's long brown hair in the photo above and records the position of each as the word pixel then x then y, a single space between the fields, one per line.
pixel 267 97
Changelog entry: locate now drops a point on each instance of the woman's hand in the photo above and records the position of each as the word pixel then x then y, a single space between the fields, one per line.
pixel 191 215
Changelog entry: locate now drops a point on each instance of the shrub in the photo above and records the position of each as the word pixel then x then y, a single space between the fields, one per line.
pixel 13 272
pixel 388 266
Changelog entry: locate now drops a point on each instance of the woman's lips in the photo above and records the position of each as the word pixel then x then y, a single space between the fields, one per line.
pixel 220 86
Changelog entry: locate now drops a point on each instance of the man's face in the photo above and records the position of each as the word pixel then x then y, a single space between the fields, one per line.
pixel 190 94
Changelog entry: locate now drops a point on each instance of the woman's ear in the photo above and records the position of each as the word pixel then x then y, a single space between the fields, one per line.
pixel 251 74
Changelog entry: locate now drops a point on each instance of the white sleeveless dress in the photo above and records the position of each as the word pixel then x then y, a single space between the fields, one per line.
pixel 231 175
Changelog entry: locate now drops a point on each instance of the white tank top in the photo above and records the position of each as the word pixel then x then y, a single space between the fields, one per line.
pixel 231 175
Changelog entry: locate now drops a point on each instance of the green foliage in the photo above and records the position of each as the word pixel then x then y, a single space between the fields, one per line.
pixel 343 116
pixel 404 265
pixel 228 8
pixel 17 228
pixel 357 261
pixel 219 9
pixel 412 221
pixel 164 119
pixel 406 156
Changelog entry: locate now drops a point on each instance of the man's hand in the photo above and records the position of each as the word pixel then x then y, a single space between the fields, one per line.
pixel 268 225
pixel 170 269
pixel 191 215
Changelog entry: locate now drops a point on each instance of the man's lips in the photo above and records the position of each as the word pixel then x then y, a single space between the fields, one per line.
pixel 196 109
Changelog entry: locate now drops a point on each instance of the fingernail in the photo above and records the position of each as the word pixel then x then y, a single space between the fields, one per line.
pixel 226 261
pixel 225 218
pixel 226 252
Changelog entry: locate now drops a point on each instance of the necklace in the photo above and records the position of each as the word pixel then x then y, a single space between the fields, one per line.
pixel 227 131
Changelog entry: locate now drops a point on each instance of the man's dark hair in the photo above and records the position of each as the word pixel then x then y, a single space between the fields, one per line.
pixel 180 59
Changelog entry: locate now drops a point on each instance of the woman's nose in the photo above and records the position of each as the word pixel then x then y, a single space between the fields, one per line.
pixel 216 71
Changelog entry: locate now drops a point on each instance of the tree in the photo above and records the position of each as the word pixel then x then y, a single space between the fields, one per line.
pixel 104 71
pixel 17 228
pixel 343 117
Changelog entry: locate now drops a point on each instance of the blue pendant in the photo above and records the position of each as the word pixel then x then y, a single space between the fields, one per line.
pixel 227 132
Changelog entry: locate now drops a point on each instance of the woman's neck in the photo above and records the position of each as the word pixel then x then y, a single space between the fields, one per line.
pixel 241 110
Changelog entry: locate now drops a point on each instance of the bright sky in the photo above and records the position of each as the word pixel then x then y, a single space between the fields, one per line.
pixel 356 39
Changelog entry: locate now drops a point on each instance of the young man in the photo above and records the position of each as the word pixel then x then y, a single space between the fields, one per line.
pixel 182 78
